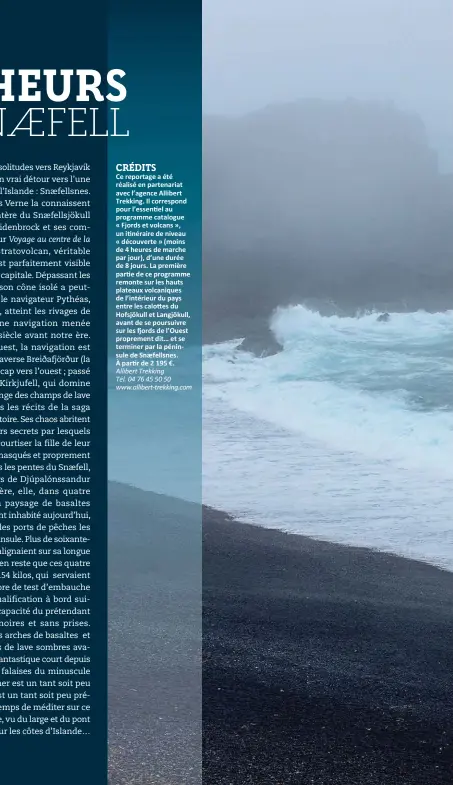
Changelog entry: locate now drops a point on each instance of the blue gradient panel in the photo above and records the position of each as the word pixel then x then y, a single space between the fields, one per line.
pixel 155 440
pixel 155 437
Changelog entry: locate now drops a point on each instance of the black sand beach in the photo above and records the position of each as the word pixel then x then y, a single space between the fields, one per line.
pixel 154 639
pixel 321 664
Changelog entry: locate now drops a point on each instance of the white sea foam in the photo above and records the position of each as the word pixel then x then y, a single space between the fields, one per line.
pixel 347 434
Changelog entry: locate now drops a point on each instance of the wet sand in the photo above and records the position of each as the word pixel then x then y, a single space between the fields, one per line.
pixel 323 664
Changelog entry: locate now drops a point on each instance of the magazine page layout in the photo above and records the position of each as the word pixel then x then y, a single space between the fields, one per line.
pixel 226 410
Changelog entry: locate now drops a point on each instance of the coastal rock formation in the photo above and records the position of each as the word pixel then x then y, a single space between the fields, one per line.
pixel 323 200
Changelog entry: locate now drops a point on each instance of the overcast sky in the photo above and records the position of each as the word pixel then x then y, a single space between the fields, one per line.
pixel 257 52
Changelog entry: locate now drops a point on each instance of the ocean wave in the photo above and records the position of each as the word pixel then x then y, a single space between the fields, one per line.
pixel 379 389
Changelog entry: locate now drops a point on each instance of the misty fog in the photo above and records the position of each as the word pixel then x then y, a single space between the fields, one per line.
pixel 326 156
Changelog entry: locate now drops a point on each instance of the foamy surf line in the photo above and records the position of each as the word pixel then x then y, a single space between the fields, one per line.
pixel 299 442
pixel 381 390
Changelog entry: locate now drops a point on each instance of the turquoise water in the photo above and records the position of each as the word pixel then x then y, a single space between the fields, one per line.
pixel 347 434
